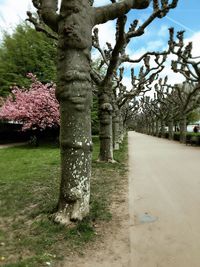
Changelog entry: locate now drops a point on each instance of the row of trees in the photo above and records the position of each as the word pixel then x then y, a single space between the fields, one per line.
pixel 77 81
pixel 173 105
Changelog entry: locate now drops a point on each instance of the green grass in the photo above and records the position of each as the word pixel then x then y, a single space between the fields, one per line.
pixel 29 187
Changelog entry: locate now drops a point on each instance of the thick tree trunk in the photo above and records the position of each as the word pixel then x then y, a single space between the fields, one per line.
pixel 105 129
pixel 171 132
pixel 149 128
pixel 74 93
pixel 74 24
pixel 121 129
pixel 162 128
pixel 116 120
pixel 152 127
pixel 157 128
pixel 183 129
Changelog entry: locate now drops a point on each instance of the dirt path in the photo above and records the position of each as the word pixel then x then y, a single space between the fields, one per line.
pixel 164 201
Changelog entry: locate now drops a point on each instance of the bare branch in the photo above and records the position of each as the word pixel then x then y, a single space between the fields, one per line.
pixel 40 27
pixel 47 10
pixel 115 10
pixel 117 49
pixel 157 13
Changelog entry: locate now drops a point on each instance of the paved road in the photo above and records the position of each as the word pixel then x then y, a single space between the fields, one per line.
pixel 164 203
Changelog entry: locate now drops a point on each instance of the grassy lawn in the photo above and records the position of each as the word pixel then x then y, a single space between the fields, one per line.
pixel 29 186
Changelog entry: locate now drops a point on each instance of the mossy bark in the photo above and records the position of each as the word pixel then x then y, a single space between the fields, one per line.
pixel 116 133
pixel 73 25
pixel 157 128
pixel 74 93
pixel 152 127
pixel 183 129
pixel 171 131
pixel 121 129
pixel 105 126
pixel 162 128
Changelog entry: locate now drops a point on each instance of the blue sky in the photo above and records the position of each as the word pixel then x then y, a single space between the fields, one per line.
pixel 184 17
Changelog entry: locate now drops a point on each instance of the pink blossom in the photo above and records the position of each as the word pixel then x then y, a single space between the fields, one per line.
pixel 35 107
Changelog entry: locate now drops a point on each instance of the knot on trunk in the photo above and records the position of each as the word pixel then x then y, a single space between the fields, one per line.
pixel 106 107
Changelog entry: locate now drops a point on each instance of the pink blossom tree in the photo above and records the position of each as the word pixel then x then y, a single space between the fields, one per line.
pixel 35 108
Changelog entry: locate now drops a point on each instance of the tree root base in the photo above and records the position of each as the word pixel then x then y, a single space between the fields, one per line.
pixel 106 161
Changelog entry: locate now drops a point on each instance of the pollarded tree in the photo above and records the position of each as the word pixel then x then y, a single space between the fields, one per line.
pixel 175 104
pixel 189 67
pixel 113 57
pixel 186 98
pixel 35 107
pixel 124 101
pixel 73 24
pixel 186 63
pixel 166 112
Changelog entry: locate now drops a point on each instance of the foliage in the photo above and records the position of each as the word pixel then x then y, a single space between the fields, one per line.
pixel 35 108
pixel 26 51
pixel 191 138
pixel 193 116
pixel 94 116
pixel 27 236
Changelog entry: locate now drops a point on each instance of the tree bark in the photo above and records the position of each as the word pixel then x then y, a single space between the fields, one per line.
pixel 74 26
pixel 152 127
pixel 74 93
pixel 171 131
pixel 183 129
pixel 157 127
pixel 116 133
pixel 121 129
pixel 105 123
pixel 162 128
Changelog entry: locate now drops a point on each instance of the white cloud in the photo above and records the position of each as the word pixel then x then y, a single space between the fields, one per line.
pixel 163 31
pixel 101 2
pixel 12 12
pixel 107 33
pixel 173 77
pixel 127 82
pixel 195 39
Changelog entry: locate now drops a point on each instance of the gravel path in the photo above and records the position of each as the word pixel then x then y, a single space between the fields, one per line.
pixel 164 203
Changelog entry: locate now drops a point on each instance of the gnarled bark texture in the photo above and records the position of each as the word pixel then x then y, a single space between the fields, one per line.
pixel 105 130
pixel 183 129
pixel 116 138
pixel 171 131
pixel 73 25
pixel 75 95
pixel 162 128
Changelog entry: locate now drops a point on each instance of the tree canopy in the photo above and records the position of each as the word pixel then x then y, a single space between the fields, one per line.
pixel 26 51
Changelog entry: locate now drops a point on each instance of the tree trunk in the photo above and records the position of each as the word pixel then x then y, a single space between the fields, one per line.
pixel 171 132
pixel 121 129
pixel 74 93
pixel 152 127
pixel 149 128
pixel 162 129
pixel 105 129
pixel 157 127
pixel 74 24
pixel 116 130
pixel 183 129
